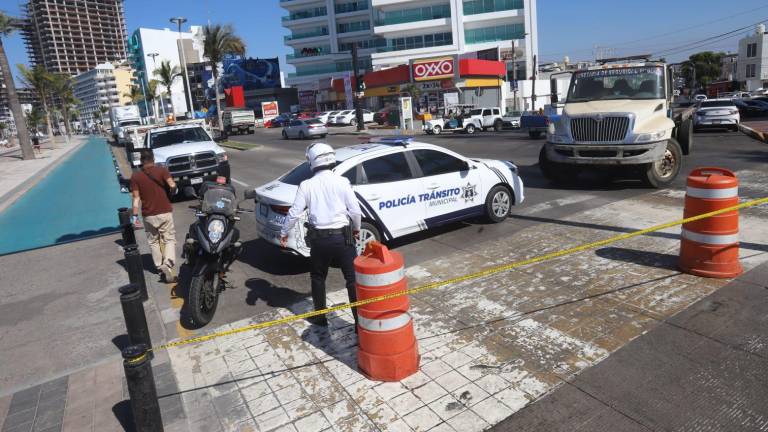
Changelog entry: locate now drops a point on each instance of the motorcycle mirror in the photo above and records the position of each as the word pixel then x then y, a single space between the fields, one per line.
pixel 250 194
pixel 190 192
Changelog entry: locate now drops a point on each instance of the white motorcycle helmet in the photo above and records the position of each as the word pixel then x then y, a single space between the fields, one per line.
pixel 319 155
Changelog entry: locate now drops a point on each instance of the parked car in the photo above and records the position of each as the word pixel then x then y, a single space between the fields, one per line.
pixel 700 97
pixel 325 117
pixel 717 113
pixel 348 118
pixel 382 116
pixel 306 115
pixel 307 128
pixel 403 187
pixel 280 121
pixel 751 108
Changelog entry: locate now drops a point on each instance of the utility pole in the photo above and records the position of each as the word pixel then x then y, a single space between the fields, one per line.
pixel 533 84
pixel 358 89
pixel 187 89
pixel 144 92
pixel 154 66
pixel 514 73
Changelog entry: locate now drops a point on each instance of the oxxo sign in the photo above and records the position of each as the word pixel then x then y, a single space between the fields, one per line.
pixel 433 69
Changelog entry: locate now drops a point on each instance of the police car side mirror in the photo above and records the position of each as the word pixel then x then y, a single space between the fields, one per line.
pixel 466 166
pixel 250 194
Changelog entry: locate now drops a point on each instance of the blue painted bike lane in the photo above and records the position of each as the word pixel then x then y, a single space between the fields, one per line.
pixel 76 200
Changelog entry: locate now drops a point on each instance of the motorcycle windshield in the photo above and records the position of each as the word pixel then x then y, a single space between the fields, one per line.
pixel 219 201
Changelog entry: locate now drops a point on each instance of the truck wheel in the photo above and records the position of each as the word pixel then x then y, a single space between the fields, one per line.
pixel 685 136
pixel 498 204
pixel 251 131
pixel 660 174
pixel 497 126
pixel 470 129
pixel 555 172
pixel 534 134
pixel 436 130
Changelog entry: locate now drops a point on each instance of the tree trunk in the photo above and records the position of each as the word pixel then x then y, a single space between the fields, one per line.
pixel 18 115
pixel 65 111
pixel 218 99
pixel 48 123
pixel 173 107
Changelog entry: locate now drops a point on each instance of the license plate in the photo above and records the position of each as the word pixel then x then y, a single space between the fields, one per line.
pixel 278 219
pixel 717 121
pixel 196 180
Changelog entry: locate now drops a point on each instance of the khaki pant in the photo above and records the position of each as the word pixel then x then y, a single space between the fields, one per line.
pixel 161 236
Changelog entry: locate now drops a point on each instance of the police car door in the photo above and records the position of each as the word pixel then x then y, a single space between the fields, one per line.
pixel 388 193
pixel 452 188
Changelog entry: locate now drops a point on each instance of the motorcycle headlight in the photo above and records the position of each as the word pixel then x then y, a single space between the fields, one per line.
pixel 651 137
pixel 215 230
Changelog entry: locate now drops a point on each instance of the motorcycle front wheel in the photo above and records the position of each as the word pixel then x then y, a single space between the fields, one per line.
pixel 203 297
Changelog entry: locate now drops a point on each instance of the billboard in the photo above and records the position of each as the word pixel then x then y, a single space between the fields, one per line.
pixel 250 73
pixel 433 69
pixel 269 110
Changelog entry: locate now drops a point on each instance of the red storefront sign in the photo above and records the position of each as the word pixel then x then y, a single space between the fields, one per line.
pixel 433 69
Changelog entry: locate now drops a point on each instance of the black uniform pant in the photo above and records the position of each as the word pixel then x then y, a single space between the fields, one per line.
pixel 325 250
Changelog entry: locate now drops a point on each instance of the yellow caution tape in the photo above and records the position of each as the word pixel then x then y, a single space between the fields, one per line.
pixel 471 276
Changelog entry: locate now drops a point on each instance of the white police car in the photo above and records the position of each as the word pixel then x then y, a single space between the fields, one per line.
pixel 403 187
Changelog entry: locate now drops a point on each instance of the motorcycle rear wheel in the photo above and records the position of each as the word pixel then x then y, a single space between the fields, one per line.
pixel 203 297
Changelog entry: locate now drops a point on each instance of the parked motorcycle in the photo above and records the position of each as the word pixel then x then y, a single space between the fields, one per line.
pixel 211 246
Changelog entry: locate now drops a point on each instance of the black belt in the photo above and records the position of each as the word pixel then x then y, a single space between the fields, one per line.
pixel 330 232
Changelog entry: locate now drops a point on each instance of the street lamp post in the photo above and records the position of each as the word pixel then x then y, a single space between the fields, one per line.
pixel 187 89
pixel 154 66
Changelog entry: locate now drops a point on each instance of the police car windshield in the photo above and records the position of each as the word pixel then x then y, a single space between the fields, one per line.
pixel 643 82
pixel 297 175
pixel 177 136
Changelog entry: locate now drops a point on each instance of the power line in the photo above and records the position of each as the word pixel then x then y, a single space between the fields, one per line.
pixel 686 46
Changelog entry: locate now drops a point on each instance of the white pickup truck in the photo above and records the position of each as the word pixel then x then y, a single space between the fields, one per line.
pixel 189 153
pixel 122 117
pixel 476 119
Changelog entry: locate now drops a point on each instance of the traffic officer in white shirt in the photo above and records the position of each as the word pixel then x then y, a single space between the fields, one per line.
pixel 332 204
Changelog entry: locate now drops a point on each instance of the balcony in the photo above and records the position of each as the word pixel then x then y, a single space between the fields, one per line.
pixel 353 27
pixel 494 34
pixel 351 7
pixel 474 7
pixel 306 35
pixel 414 15
pixel 309 53
pixel 416 42
pixel 317 70
pixel 305 14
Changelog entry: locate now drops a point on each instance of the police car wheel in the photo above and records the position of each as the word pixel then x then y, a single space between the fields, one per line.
pixel 368 233
pixel 498 203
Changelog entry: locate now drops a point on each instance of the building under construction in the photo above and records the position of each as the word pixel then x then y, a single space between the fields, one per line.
pixel 74 36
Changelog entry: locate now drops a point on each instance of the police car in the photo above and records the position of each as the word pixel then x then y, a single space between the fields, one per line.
pixel 403 187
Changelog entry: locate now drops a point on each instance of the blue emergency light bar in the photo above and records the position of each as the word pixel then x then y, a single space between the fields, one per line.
pixel 394 140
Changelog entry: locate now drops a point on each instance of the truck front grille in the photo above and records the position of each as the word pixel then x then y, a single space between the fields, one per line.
pixel 598 130
pixel 191 162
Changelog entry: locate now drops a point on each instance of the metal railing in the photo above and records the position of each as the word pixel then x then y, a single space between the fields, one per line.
pixel 353 26
pixel 424 41
pixel 414 15
pixel 473 7
pixel 309 13
pixel 309 52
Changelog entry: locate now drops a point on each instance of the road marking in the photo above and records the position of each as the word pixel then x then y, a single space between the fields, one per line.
pixel 239 182
pixel 547 205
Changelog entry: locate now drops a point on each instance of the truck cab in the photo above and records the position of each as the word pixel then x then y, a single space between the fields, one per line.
pixel 619 115
pixel 189 153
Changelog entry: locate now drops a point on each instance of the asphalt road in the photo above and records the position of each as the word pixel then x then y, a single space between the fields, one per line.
pixel 264 277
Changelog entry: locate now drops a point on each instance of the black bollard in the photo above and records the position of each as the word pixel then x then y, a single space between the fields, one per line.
pixel 141 389
pixel 126 227
pixel 133 312
pixel 135 269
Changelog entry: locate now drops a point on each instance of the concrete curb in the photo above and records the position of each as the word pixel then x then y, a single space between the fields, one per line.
pixel 760 136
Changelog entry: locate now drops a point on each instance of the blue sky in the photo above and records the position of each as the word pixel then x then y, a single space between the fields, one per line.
pixel 566 27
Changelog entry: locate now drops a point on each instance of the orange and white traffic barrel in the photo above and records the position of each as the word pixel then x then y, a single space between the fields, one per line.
pixel 710 247
pixel 387 343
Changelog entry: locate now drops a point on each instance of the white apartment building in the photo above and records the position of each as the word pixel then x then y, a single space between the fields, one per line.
pixel 752 63
pixel 415 29
pixel 322 34
pixel 393 32
pixel 165 43
pixel 104 85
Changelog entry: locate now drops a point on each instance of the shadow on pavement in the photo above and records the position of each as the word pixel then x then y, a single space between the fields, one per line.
pixel 86 234
pixel 122 412
pixel 269 259
pixel 272 295
pixel 634 256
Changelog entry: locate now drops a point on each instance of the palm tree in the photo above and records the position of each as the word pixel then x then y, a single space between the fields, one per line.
pixel 134 94
pixel 7 26
pixel 40 81
pixel 220 41
pixel 63 88
pixel 34 119
pixel 167 75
